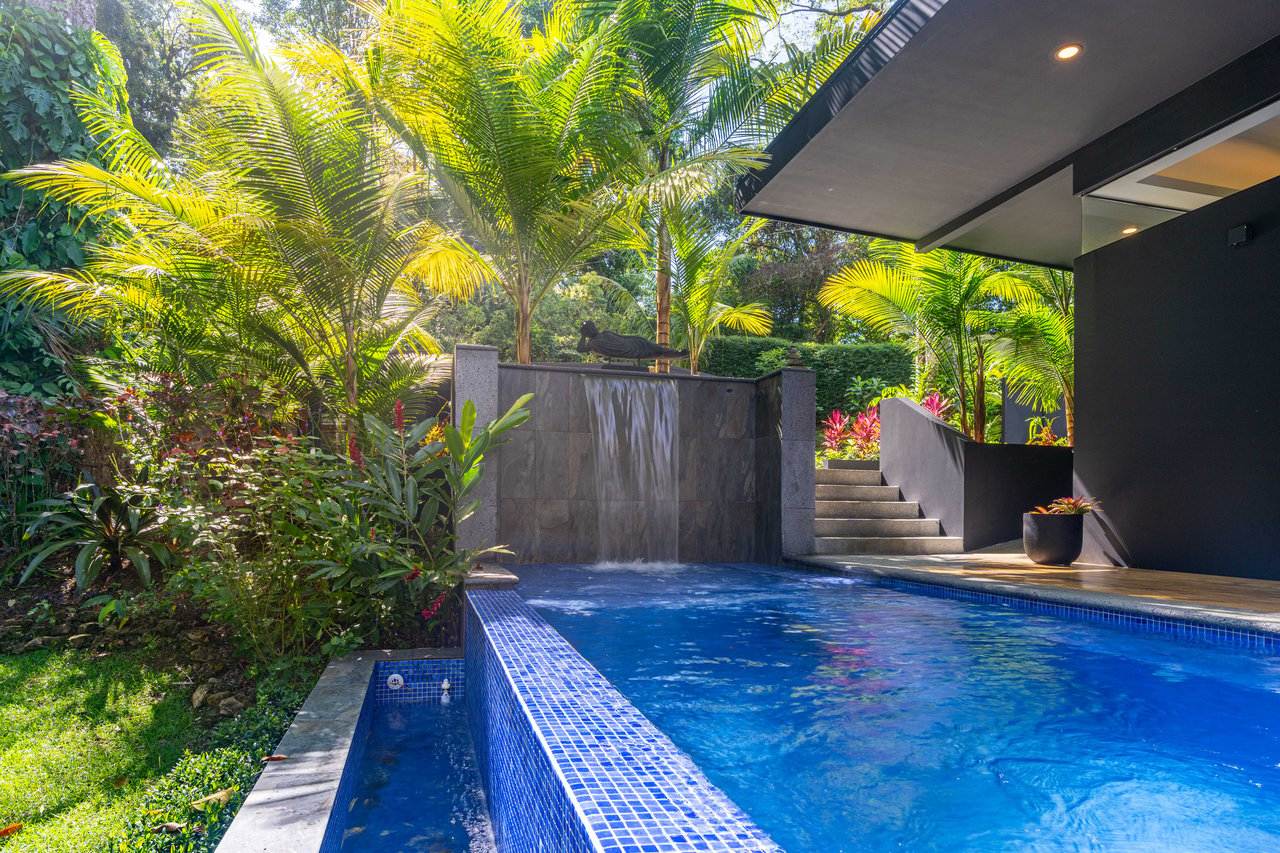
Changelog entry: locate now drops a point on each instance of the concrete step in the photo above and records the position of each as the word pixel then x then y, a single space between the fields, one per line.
pixel 867 509
pixel 888 545
pixel 857 493
pixel 845 527
pixel 847 477
pixel 854 464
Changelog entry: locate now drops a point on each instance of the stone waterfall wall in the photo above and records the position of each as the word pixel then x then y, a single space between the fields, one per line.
pixel 745 451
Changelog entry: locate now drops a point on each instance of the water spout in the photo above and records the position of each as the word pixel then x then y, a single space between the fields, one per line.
pixel 635 424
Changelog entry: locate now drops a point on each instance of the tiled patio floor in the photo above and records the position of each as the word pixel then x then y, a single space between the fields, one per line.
pixel 1211 591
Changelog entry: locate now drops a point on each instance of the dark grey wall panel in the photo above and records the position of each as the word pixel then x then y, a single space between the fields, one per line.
pixel 924 457
pixel 730 451
pixel 1177 354
pixel 1016 417
pixel 977 491
pixel 1002 481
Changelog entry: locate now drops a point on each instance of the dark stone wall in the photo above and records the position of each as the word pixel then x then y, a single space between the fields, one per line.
pixel 546 478
pixel 1177 348
pixel 924 457
pixel 1016 416
pixel 1002 481
pixel 976 491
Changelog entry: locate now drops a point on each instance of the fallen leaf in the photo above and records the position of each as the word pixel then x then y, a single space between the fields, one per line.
pixel 274 757
pixel 11 829
pixel 220 798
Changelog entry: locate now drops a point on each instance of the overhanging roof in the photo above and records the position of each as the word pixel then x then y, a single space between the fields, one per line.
pixel 953 124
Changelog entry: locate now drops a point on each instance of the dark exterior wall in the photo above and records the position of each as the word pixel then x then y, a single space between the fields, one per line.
pixel 976 491
pixel 730 467
pixel 1016 416
pixel 1177 355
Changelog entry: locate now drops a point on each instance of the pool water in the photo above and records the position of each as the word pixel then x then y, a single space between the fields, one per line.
pixel 417 787
pixel 844 716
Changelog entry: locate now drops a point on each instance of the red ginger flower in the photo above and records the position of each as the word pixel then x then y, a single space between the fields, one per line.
pixel 399 416
pixel 435 606
pixel 413 575
pixel 353 451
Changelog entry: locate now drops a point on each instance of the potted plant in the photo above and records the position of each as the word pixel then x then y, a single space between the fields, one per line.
pixel 1053 535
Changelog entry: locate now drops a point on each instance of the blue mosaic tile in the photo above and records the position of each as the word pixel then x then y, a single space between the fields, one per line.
pixel 570 765
pixel 1182 629
pixel 336 827
pixel 423 680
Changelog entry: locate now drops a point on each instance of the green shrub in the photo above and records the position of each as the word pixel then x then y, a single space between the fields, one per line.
pixel 837 365
pixel 736 355
pixel 233 763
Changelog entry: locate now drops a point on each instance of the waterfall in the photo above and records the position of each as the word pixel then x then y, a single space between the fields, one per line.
pixel 635 424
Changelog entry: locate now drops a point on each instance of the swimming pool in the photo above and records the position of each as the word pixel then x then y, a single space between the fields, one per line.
pixel 417 788
pixel 843 716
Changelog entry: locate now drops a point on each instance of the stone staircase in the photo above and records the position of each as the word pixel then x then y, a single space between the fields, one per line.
pixel 856 513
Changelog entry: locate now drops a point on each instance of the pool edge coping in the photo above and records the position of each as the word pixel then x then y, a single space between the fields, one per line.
pixel 600 684
pixel 1182 611
pixel 289 806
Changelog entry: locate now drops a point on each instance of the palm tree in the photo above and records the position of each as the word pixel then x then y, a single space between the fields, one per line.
pixel 943 302
pixel 278 239
pixel 704 106
pixel 700 279
pixel 1039 350
pixel 521 134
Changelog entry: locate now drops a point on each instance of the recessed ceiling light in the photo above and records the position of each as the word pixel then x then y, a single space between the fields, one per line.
pixel 1068 51
pixel 1132 229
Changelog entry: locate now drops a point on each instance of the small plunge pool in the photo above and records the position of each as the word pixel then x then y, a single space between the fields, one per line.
pixel 416 787
pixel 846 716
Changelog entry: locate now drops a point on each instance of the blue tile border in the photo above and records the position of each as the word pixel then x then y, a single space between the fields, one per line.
pixel 569 764
pixel 336 828
pixel 1180 620
pixel 1182 628
pixel 423 680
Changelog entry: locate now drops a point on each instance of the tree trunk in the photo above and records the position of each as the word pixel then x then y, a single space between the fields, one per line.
pixel 664 273
pixel 351 381
pixel 524 325
pixel 1069 415
pixel 82 14
pixel 980 398
pixel 664 290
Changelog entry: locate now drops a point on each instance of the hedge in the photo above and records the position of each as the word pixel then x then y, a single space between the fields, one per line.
pixel 836 365
pixel 736 355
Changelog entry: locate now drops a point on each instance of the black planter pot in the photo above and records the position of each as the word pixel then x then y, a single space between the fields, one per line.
pixel 1052 540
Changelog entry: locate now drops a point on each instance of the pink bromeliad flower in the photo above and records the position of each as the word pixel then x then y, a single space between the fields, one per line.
pixel 836 430
pixel 865 434
pixel 936 405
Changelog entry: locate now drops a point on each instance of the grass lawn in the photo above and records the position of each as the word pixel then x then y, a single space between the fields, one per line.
pixel 81 737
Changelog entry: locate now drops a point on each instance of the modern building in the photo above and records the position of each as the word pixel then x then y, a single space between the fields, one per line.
pixel 1137 143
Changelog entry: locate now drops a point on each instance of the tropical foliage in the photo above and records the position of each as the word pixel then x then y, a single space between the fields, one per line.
pixel 1039 348
pixel 280 240
pixel 520 134
pixel 1070 506
pixel 700 260
pixel 943 304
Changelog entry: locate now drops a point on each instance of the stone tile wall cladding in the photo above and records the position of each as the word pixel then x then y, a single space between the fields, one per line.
pixel 745 463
